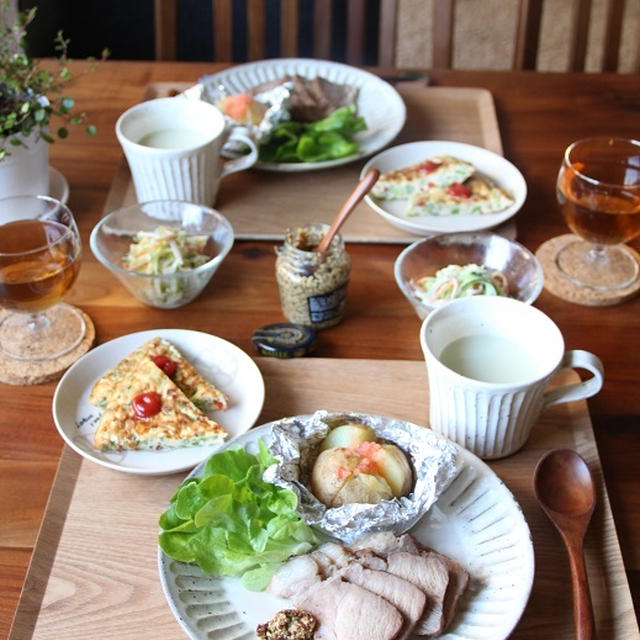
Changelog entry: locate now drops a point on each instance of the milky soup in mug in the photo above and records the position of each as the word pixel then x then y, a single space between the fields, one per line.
pixel 172 139
pixel 489 361
pixel 489 358
pixel 174 147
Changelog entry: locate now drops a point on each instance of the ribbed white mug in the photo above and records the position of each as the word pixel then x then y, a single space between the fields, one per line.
pixel 487 401
pixel 173 148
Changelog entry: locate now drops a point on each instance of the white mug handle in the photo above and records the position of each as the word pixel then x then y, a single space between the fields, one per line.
pixel 240 134
pixel 586 389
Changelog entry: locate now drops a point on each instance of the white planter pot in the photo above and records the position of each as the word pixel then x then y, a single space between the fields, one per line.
pixel 26 170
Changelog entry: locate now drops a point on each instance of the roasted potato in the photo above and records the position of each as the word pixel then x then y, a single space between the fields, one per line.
pixel 366 472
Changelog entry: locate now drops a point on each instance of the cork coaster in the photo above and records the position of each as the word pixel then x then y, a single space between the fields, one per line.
pixel 557 284
pixel 25 372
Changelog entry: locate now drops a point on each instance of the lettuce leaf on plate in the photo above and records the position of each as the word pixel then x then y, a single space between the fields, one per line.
pixel 326 139
pixel 230 522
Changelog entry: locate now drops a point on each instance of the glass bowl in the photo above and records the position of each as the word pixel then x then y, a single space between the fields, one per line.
pixel 112 236
pixel 428 255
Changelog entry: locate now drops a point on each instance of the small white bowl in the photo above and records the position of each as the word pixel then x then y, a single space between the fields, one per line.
pixel 488 164
pixel 428 255
pixel 112 236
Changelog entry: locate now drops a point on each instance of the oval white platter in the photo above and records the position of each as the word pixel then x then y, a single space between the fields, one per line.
pixel 476 521
pixel 378 102
pixel 487 163
pixel 221 362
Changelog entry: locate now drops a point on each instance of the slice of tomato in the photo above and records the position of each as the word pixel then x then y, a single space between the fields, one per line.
pixel 428 166
pixel 164 363
pixel 459 190
pixel 147 404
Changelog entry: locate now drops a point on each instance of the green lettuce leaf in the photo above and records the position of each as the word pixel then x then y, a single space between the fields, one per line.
pixel 231 522
pixel 326 139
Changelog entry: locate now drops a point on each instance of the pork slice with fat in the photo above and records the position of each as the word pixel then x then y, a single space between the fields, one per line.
pixel 405 596
pixel 430 574
pixel 295 576
pixel 346 611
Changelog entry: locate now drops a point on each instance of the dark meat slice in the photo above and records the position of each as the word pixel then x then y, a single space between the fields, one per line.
pixel 312 99
pixel 346 611
pixel 429 573
pixel 405 596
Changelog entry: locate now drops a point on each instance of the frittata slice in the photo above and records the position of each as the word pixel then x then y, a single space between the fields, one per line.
pixel 437 171
pixel 475 196
pixel 176 423
pixel 199 390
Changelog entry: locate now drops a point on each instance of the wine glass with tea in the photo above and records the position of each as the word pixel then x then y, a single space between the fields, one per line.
pixel 599 189
pixel 40 251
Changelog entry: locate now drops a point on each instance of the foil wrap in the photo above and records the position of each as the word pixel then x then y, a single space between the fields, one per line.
pixel 277 99
pixel 295 441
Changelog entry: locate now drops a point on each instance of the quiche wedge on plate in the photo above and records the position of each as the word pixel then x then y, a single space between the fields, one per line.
pixel 437 171
pixel 167 419
pixel 199 390
pixel 475 196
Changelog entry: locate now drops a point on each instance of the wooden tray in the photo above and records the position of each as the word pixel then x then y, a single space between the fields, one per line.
pixel 262 204
pixel 93 572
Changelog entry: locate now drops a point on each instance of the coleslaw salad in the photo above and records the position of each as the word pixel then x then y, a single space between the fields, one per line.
pixel 165 251
pixel 455 281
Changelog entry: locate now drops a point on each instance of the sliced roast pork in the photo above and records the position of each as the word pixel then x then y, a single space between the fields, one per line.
pixel 296 575
pixel 383 543
pixel 432 576
pixel 346 611
pixel 406 597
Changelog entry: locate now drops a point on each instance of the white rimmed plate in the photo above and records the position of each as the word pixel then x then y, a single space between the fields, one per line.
pixel 227 366
pixel 487 164
pixel 476 521
pixel 378 102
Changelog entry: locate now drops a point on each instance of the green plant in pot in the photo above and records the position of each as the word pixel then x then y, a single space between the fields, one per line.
pixel 34 107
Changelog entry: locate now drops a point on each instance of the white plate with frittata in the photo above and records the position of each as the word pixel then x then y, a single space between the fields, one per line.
pixel 226 366
pixel 438 186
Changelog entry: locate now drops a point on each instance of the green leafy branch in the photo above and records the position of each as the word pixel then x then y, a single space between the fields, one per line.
pixel 29 95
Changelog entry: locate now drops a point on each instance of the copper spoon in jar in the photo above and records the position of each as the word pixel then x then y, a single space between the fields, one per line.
pixel 565 490
pixel 363 187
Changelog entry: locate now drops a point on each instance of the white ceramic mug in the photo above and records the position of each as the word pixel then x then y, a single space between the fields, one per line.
pixel 173 148
pixel 489 361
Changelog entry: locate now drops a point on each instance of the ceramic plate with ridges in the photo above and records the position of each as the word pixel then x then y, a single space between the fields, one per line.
pixel 378 102
pixel 476 521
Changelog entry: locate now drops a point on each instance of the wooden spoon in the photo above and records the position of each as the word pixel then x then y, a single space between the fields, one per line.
pixel 565 490
pixel 361 190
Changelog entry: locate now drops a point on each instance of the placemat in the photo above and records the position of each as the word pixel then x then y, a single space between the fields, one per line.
pixel 93 573
pixel 261 205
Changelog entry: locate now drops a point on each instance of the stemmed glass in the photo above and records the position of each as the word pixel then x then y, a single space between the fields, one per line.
pixel 40 252
pixel 599 189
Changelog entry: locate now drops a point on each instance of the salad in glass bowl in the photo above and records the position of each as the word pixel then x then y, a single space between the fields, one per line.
pixel 164 252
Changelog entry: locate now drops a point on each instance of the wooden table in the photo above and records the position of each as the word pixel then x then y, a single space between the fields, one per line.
pixel 539 114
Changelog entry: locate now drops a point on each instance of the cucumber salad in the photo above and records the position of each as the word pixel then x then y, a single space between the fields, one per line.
pixel 455 281
pixel 166 251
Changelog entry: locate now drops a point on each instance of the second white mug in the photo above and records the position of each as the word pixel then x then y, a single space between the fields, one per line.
pixel 489 361
pixel 173 148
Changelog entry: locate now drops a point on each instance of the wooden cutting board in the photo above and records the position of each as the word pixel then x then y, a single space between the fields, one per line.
pixel 93 573
pixel 261 205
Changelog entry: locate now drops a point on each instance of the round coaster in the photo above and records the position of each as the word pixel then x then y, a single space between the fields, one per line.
pixel 25 372
pixel 557 284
